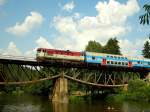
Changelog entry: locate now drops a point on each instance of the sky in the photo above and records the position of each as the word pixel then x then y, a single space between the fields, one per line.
pixel 26 25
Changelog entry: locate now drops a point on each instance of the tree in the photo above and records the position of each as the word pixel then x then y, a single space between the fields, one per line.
pixel 93 46
pixel 112 47
pixel 144 19
pixel 146 50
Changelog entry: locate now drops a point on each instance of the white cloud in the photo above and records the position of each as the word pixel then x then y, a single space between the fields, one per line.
pixel 27 25
pixel 114 12
pixel 110 21
pixel 2 2
pixel 31 53
pixel 133 48
pixel 11 50
pixel 69 6
pixel 43 43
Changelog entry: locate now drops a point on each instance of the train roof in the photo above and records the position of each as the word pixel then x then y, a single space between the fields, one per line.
pixel 57 50
pixel 104 54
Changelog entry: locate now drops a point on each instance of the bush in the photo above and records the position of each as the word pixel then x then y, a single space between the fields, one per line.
pixel 138 90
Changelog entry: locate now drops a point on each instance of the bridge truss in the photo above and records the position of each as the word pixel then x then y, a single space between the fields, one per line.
pixel 16 71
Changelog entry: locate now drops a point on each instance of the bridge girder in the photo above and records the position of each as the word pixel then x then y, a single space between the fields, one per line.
pixel 25 74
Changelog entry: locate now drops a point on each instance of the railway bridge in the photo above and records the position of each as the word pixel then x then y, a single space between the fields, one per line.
pixel 17 70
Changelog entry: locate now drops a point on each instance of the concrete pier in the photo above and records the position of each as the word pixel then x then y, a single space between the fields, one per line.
pixel 60 91
pixel 125 87
pixel 148 77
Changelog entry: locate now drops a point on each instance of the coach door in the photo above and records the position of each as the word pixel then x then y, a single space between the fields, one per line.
pixel 104 62
pixel 129 64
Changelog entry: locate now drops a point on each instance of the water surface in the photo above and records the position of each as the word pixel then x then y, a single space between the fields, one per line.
pixel 28 103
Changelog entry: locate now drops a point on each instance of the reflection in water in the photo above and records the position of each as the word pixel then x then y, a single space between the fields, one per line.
pixel 21 108
pixel 42 104
pixel 60 107
pixel 136 107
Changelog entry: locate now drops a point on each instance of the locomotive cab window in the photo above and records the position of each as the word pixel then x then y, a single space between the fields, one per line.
pixel 44 50
pixel 39 50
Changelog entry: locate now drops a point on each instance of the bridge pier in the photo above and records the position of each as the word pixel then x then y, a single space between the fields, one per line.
pixel 148 76
pixel 60 91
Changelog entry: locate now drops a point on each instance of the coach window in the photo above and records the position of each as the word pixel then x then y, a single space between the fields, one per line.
pixel 119 63
pixel 138 62
pixel 108 62
pixel 111 56
pixel 93 58
pixel 148 63
pixel 115 63
pixel 126 63
pixel 122 63
pixel 112 62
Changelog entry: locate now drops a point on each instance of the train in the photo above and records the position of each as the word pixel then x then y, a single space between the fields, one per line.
pixel 103 59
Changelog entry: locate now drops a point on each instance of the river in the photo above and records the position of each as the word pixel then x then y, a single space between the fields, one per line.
pixel 27 103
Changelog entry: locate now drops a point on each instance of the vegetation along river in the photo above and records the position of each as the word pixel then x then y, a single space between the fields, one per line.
pixel 28 103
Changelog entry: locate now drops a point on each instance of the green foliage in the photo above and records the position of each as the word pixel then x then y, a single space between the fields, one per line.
pixel 116 97
pixel 138 90
pixel 146 50
pixel 144 19
pixel 112 47
pixel 136 85
pixel 76 99
pixel 73 86
pixel 9 88
pixel 93 46
pixel 42 88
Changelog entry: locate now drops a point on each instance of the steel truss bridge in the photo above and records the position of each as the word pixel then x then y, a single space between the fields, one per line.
pixel 15 70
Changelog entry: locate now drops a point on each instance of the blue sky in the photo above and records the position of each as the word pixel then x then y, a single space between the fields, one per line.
pixel 69 24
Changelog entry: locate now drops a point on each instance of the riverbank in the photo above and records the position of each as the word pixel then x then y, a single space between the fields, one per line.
pixel 138 90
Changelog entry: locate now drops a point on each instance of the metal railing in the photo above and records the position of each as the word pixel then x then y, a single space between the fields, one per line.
pixel 23 58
